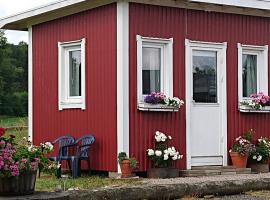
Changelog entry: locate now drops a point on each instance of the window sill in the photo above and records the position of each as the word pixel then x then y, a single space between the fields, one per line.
pixel 247 109
pixel 69 105
pixel 157 107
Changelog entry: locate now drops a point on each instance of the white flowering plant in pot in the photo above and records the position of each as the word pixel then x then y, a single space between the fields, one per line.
pixel 261 152
pixel 163 155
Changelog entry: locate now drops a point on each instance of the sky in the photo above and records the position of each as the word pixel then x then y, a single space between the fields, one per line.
pixel 10 7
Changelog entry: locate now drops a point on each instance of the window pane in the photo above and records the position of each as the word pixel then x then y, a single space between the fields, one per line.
pixel 151 65
pixel 75 73
pixel 205 76
pixel 249 74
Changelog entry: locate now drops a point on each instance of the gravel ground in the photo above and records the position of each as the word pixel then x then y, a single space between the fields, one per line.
pixel 206 178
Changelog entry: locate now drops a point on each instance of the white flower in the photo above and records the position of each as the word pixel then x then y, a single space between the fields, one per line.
pixel 254 157
pixel 165 151
pixel 170 137
pixel 58 165
pixel 175 157
pixel 166 156
pixel 158 153
pixel 24 138
pixel 259 158
pixel 151 152
pixel 180 157
pixel 49 146
pixel 158 138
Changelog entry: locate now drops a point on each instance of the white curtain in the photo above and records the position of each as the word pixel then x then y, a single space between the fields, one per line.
pixel 151 62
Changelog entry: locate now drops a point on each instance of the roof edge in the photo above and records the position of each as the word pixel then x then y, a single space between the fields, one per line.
pixel 54 10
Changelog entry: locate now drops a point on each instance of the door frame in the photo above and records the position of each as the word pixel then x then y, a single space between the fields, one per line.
pixel 221 47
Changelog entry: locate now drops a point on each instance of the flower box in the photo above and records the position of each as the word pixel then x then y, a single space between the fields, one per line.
pixel 163 173
pixel 24 184
pixel 157 107
pixel 248 109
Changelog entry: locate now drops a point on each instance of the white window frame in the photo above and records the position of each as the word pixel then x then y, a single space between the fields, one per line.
pixel 166 78
pixel 65 101
pixel 262 67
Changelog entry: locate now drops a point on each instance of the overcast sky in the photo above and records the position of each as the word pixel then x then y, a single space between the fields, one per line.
pixel 9 7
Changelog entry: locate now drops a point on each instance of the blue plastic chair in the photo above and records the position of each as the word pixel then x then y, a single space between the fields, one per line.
pixel 83 154
pixel 64 143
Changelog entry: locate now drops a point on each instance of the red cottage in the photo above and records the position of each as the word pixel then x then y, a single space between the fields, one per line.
pixel 91 63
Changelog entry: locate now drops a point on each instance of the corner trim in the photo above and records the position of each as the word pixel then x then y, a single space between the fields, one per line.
pixel 30 84
pixel 122 77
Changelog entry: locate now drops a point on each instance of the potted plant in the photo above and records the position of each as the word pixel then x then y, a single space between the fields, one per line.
pixel 19 164
pixel 259 158
pixel 127 165
pixel 241 149
pixel 158 101
pixel 256 102
pixel 163 156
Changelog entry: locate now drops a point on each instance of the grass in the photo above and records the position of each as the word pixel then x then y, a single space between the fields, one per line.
pixel 265 194
pixel 8 121
pixel 49 182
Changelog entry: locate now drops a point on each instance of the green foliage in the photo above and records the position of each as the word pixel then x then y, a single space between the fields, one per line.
pixel 13 77
pixel 123 156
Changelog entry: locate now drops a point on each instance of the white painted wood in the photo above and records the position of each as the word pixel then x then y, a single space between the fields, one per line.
pixel 262 70
pixel 157 107
pixel 30 84
pixel 122 77
pixel 65 101
pixel 245 108
pixel 258 4
pixel 166 45
pixel 206 137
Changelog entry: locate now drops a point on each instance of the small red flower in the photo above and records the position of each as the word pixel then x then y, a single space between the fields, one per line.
pixel 2 131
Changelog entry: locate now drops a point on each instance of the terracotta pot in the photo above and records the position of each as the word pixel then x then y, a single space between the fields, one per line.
pixel 162 173
pixel 23 184
pixel 126 169
pixel 238 160
pixel 259 167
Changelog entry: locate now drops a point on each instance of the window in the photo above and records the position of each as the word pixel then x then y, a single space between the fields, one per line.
pixel 252 70
pixel 71 69
pixel 204 76
pixel 155 66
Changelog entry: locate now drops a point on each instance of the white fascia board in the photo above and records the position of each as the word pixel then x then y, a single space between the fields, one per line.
pixel 37 11
pixel 257 4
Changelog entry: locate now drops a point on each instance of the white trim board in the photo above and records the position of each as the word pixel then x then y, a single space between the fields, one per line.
pixel 122 77
pixel 30 85
pixel 258 4
pixel 215 46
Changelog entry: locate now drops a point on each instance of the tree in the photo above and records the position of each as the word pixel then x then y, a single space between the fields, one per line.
pixel 13 77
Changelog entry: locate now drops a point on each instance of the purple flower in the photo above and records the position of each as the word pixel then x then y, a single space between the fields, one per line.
pixel 155 98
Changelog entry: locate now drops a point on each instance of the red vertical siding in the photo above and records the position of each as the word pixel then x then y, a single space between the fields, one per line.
pixel 165 22
pixel 98 26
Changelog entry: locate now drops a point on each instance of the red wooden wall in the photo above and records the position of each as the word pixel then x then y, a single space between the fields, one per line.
pixel 98 26
pixel 165 22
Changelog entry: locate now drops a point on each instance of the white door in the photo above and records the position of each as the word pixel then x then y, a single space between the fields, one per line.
pixel 206 103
